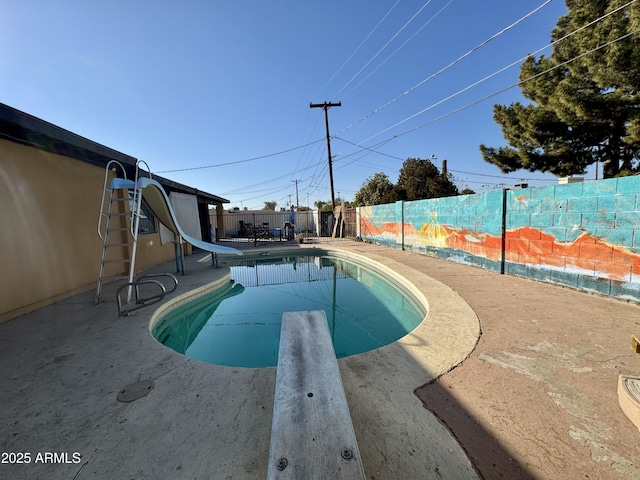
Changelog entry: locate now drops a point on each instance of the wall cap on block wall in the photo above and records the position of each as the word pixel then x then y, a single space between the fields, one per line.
pixel 566 180
pixel 629 398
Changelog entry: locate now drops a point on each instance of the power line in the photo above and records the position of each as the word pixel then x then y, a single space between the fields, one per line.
pixel 451 170
pixel 288 174
pixel 322 173
pixel 383 47
pixel 413 88
pixel 500 176
pixel 358 47
pixel 490 96
pixel 419 84
pixel 495 93
pixel 442 70
pixel 511 86
pixel 370 149
pixel 306 154
pixel 399 48
pixel 242 161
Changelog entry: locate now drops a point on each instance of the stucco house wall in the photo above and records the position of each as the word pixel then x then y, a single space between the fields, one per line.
pixel 50 204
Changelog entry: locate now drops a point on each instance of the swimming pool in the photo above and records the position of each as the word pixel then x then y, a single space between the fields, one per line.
pixel 239 324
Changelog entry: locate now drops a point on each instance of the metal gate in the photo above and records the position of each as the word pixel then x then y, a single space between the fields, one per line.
pixel 267 227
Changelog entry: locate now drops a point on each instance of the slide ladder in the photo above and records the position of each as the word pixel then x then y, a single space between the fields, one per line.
pixel 118 194
pixel 123 205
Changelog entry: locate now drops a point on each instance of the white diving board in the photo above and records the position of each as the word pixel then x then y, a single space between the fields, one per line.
pixel 312 435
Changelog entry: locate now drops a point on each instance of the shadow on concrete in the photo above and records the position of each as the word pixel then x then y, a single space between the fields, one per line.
pixel 489 457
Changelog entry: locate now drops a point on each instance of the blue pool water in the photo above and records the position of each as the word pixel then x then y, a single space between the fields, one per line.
pixel 240 325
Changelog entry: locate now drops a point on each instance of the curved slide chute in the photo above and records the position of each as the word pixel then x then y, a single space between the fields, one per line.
pixel 158 202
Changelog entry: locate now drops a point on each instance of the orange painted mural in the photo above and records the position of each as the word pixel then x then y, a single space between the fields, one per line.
pixel 525 245
pixel 586 254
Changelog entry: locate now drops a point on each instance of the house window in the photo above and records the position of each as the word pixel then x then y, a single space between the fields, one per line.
pixel 147 222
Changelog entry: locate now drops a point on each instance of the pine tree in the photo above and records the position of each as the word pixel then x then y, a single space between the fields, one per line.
pixel 419 179
pixel 585 97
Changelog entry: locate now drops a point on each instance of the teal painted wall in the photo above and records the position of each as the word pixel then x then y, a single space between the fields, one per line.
pixel 584 235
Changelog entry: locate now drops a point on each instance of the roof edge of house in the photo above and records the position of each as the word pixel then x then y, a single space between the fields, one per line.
pixel 20 127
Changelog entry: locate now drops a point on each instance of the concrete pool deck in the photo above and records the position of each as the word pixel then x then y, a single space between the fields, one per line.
pixel 535 397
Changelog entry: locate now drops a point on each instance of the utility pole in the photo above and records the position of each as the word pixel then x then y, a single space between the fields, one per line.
pixel 297 201
pixel 325 106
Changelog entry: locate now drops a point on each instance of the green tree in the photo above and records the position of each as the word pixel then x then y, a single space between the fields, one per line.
pixel 419 179
pixel 323 206
pixel 393 195
pixel 270 205
pixel 373 190
pixel 585 100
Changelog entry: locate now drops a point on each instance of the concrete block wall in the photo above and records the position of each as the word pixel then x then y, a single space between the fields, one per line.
pixel 583 235
pixel 466 228
pixel 382 224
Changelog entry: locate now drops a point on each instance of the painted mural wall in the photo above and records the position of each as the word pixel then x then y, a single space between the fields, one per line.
pixel 584 235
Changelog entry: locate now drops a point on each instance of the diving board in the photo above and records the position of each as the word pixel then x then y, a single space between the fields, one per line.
pixel 312 435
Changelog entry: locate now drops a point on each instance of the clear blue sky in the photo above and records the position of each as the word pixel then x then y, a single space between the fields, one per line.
pixel 192 84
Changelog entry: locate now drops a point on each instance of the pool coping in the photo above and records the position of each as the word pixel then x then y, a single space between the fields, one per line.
pixel 459 324
pixel 408 288
pixel 184 298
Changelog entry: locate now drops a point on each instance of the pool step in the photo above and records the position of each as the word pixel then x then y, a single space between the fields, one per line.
pixel 312 436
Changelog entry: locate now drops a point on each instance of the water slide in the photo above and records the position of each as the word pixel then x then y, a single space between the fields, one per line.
pixel 158 202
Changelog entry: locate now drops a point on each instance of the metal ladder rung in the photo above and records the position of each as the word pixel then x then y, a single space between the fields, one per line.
pixel 115 276
pixel 132 197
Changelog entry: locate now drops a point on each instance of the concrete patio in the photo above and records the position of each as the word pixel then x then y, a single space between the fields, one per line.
pixel 535 397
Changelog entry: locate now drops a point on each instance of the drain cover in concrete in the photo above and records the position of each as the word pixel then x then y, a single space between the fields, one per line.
pixel 135 391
